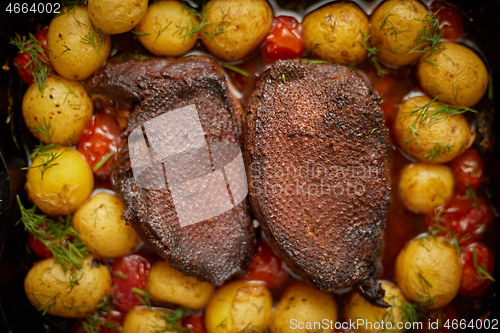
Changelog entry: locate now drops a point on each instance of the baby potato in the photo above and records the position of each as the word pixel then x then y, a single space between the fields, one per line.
pixel 359 308
pixel 170 285
pixel 455 74
pixel 116 16
pixel 166 28
pixel 48 288
pixel 76 48
pixel 143 320
pixel 336 32
pixel 423 187
pixel 428 271
pixel 440 138
pixel 395 27
pixel 62 110
pixel 59 181
pixel 301 303
pixel 239 306
pixel 101 226
pixel 236 28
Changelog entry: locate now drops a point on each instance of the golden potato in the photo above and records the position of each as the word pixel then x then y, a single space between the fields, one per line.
pixel 169 285
pixel 336 33
pixel 456 74
pixel 395 27
pixel 59 181
pixel 372 316
pixel 423 187
pixel 300 307
pixel 48 288
pixel 101 226
pixel 239 306
pixel 143 320
pixel 428 271
pixel 116 16
pixel 169 28
pixel 58 114
pixel 425 131
pixel 76 48
pixel 236 28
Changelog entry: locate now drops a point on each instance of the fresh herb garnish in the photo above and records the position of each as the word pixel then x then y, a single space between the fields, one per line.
pixel 172 320
pixel 373 130
pixel 103 161
pixel 428 37
pixel 94 322
pixel 482 273
pixel 191 29
pixel 283 77
pixel 95 38
pixel 120 275
pixel 235 69
pixel 144 296
pixel 372 53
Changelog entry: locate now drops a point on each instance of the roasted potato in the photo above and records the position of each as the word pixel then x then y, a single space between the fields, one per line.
pixel 59 181
pixel 168 284
pixel 169 28
pixel 301 303
pixel 143 320
pixel 59 113
pixel 76 47
pixel 395 28
pixel 372 316
pixel 455 74
pixel 423 187
pixel 50 289
pixel 101 226
pixel 236 28
pixel 336 32
pixel 116 16
pixel 425 131
pixel 428 271
pixel 239 306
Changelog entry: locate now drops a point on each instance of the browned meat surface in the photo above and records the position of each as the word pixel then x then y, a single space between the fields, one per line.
pixel 317 156
pixel 213 250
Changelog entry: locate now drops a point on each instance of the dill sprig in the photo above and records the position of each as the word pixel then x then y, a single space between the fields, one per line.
pixel 372 53
pixel 72 4
pixel 235 69
pixel 172 320
pixel 191 29
pixel 388 27
pixel 371 132
pixel 59 237
pixel 144 296
pixel 450 238
pixel 39 63
pixel 481 271
pixel 103 161
pixel 94 322
pixel 161 30
pixel 313 61
pixel 428 37
pixel 95 38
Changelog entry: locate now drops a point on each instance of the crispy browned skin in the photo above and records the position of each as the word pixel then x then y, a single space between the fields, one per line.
pixel 318 181
pixel 213 250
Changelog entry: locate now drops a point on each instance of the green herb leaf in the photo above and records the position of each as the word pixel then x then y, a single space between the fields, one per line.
pixel 235 69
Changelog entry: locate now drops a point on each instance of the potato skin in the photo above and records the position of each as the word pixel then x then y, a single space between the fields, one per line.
pixel 425 262
pixel 305 304
pixel 335 33
pixel 46 282
pixel 453 131
pixel 423 187
pixel 67 31
pixel 239 306
pixel 63 187
pixel 101 227
pixel 456 74
pixel 359 308
pixel 168 284
pixel 116 16
pixel 63 105
pixel 245 24
pixel 394 29
pixel 141 319
pixel 163 27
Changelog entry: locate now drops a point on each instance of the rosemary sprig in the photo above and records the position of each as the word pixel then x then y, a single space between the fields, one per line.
pixel 235 69
pixel 172 320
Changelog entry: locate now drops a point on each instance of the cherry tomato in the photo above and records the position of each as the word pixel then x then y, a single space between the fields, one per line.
pixel 195 323
pixel 468 170
pixel 284 40
pixel 131 271
pixel 101 138
pixel 106 322
pixel 39 248
pixel 22 63
pixel 450 20
pixel 472 283
pixel 267 266
pixel 462 215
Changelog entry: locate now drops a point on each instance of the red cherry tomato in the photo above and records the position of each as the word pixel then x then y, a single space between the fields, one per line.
pixel 450 20
pixel 101 137
pixel 463 216
pixel 22 63
pixel 267 266
pixel 195 323
pixel 468 170
pixel 472 283
pixel 284 40
pixel 39 248
pixel 131 271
